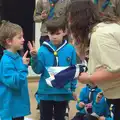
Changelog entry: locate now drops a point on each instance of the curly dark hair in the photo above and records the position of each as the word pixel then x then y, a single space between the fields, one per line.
pixel 83 15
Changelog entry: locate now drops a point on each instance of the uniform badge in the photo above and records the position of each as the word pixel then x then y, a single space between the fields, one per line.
pixel 68 59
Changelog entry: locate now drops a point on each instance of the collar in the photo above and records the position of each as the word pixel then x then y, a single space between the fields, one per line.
pixel 11 54
pixel 90 87
pixel 53 47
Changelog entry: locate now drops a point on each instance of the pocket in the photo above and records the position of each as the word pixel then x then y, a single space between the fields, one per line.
pixel 62 11
pixel 59 11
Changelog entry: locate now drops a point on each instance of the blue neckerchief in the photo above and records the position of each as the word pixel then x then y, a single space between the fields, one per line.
pixel 104 5
pixel 52 8
pixel 91 92
pixel 55 52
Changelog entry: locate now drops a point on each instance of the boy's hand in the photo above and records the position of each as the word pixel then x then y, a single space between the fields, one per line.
pixel 25 59
pixel 74 96
pixel 81 104
pixel 44 14
pixel 32 48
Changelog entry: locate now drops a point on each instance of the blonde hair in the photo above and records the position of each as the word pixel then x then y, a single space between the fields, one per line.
pixel 8 30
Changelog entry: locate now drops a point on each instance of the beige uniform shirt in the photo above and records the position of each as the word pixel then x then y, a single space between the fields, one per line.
pixel 105 51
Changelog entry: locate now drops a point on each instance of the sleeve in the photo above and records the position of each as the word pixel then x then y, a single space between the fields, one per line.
pixel 38 11
pixel 74 82
pixel 117 7
pixel 101 108
pixel 67 5
pixel 78 107
pixel 109 118
pixel 107 110
pixel 107 50
pixel 11 77
pixel 81 99
pixel 37 62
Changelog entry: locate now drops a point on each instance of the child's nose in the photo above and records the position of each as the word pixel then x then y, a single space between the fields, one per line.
pixel 23 39
pixel 54 37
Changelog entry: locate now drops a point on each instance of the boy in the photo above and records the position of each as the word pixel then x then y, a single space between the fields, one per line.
pixel 14 97
pixel 54 53
pixel 92 105
pixel 100 109
pixel 47 9
pixel 87 96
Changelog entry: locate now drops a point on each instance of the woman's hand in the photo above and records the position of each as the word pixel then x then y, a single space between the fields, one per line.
pixel 84 78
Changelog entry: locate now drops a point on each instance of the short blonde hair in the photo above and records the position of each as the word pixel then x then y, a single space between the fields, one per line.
pixel 8 30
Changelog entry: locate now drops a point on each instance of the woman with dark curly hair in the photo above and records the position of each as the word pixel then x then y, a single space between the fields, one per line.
pixel 102 36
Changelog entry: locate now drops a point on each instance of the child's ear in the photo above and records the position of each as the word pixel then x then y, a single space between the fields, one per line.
pixel 65 32
pixel 8 41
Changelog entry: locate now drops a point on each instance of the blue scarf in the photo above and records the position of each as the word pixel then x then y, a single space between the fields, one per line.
pixel 104 5
pixel 52 8
pixel 54 52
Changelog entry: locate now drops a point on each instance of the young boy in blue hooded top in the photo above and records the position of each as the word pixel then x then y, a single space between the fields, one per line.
pixel 54 53
pixel 92 104
pixel 14 97
pixel 100 109
pixel 87 96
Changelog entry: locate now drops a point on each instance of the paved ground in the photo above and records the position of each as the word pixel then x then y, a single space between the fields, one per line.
pixel 35 113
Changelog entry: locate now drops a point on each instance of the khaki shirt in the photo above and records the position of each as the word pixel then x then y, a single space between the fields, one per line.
pixel 60 9
pixel 114 9
pixel 105 51
pixel 117 7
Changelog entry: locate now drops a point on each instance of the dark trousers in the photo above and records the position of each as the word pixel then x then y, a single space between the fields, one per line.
pixel 78 116
pixel 43 38
pixel 116 103
pixel 18 118
pixel 47 108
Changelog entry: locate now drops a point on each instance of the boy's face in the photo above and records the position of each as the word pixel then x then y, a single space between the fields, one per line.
pixel 57 37
pixel 17 42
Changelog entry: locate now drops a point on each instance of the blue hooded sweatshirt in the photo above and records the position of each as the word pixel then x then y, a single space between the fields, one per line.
pixel 88 95
pixel 64 55
pixel 86 98
pixel 14 97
